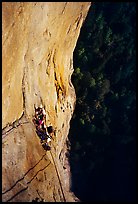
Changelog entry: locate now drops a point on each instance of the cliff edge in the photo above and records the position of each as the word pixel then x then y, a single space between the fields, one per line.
pixel 38 40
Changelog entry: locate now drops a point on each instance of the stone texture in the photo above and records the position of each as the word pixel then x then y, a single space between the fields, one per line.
pixel 28 172
pixel 38 39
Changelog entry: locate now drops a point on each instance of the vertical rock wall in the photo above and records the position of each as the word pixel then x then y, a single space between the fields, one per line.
pixel 38 39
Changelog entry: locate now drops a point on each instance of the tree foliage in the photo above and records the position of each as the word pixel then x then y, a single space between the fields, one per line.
pixel 104 121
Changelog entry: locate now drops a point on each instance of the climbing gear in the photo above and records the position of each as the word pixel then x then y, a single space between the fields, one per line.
pixel 41 129
pixel 50 129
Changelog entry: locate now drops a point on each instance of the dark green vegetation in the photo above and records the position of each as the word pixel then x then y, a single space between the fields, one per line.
pixel 102 130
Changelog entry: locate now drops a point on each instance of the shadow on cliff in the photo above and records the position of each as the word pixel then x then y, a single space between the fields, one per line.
pixel 111 181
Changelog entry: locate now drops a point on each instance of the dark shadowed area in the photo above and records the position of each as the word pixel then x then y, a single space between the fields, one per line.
pixel 103 127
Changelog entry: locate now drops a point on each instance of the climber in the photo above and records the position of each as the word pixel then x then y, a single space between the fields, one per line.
pixel 38 123
pixel 44 135
pixel 39 112
pixel 41 134
pixel 39 120
pixel 41 130
pixel 45 139
pixel 46 146
pixel 50 131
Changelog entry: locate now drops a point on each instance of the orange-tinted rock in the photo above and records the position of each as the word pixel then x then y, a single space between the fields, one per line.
pixel 38 39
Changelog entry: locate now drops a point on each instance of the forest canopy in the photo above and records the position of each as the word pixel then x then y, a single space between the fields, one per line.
pixel 103 148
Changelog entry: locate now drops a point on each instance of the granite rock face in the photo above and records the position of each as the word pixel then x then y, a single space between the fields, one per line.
pixel 38 40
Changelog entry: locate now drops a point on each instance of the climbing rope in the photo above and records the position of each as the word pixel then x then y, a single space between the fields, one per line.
pixel 58 177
